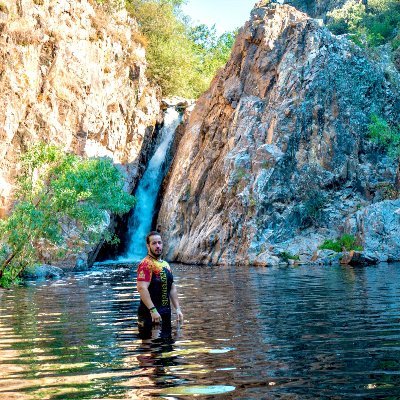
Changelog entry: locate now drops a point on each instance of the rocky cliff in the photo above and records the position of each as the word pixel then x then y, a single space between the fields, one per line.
pixel 72 74
pixel 276 157
pixel 316 8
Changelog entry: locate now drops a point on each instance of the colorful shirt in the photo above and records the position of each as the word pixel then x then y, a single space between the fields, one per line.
pixel 159 274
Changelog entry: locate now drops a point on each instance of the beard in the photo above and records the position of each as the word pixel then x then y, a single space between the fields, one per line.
pixel 155 255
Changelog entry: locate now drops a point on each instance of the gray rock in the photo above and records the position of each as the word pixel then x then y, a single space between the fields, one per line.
pixel 379 227
pixel 328 257
pixel 44 271
pixel 359 258
pixel 81 264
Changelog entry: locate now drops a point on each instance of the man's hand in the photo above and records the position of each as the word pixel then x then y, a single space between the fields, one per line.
pixel 155 317
pixel 179 315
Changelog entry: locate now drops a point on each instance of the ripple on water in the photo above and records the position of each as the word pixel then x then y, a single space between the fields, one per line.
pixel 276 333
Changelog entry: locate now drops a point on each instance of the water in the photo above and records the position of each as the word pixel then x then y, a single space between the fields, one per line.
pixel 148 188
pixel 249 333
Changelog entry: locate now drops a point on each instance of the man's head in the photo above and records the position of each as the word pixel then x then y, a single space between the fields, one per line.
pixel 154 244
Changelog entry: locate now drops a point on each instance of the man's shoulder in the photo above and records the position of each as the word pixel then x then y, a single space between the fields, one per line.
pixel 145 263
pixel 166 264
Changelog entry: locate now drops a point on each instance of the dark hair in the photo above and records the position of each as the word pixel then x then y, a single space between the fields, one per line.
pixel 152 233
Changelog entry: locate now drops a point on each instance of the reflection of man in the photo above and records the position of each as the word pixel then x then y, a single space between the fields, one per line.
pixel 155 284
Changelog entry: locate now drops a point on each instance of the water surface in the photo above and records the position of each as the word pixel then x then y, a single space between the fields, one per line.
pixel 249 333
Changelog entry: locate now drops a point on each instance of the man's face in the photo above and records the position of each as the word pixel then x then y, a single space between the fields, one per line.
pixel 155 245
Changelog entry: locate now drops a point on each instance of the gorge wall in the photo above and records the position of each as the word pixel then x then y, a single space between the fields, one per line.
pixel 275 156
pixel 73 75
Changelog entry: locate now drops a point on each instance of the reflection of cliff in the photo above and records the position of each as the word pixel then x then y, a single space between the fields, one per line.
pixel 275 155
pixel 72 75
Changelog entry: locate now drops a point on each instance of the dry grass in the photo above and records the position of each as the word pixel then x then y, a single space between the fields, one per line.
pixel 24 37
pixel 3 8
pixel 139 38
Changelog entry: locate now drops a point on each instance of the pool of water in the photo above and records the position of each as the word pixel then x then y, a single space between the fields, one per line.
pixel 249 333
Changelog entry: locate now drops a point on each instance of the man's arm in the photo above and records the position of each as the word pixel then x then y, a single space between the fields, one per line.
pixel 143 289
pixel 175 302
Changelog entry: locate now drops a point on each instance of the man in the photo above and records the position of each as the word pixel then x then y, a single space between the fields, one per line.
pixel 155 284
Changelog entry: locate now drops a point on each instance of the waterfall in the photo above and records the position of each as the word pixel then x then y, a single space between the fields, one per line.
pixel 147 191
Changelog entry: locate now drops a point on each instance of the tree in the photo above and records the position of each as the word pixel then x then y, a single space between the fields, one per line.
pixel 180 58
pixel 62 205
pixel 372 22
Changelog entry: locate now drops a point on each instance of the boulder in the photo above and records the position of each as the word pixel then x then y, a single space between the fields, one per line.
pixel 44 271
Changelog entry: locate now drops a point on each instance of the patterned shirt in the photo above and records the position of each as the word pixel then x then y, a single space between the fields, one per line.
pixel 159 274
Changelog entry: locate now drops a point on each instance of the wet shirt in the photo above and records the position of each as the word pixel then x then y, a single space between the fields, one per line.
pixel 159 274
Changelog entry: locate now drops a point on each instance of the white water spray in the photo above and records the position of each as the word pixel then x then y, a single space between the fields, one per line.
pixel 148 188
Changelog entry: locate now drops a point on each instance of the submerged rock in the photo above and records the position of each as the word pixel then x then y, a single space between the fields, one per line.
pixel 277 150
pixel 42 272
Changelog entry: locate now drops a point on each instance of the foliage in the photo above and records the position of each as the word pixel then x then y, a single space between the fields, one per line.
pixel 62 205
pixel 286 256
pixel 388 190
pixel 345 242
pixel 312 207
pixel 372 25
pixel 182 60
pixel 385 135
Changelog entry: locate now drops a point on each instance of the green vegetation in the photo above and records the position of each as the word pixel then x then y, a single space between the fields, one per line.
pixel 286 256
pixel 385 135
pixel 346 242
pixel 371 25
pixel 311 209
pixel 182 59
pixel 61 206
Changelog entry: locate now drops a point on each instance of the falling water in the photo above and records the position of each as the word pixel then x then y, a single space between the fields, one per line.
pixel 148 188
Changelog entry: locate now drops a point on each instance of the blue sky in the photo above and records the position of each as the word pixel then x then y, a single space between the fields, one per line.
pixel 225 14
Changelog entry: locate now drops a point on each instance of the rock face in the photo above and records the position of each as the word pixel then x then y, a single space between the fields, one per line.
pixel 275 156
pixel 316 8
pixel 73 75
pixel 379 225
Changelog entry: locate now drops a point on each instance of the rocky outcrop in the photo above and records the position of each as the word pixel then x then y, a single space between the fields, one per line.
pixel 315 8
pixel 72 74
pixel 275 156
pixel 378 226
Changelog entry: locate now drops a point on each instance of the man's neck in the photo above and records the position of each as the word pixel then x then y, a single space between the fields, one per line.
pixel 154 257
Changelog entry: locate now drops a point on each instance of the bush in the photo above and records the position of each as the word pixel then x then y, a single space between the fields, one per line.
pixel 286 256
pixel 62 205
pixel 371 25
pixel 385 135
pixel 346 242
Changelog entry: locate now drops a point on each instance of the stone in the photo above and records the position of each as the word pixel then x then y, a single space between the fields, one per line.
pixel 358 258
pixel 263 177
pixel 66 80
pixel 73 75
pixel 378 225
pixel 44 271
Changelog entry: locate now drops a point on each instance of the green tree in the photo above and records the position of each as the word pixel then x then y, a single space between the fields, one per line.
pixel 181 59
pixel 62 205
pixel 371 23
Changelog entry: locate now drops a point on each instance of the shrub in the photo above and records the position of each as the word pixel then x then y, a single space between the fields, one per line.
pixel 372 25
pixel 311 209
pixel 286 256
pixel 61 206
pixel 346 242
pixel 385 135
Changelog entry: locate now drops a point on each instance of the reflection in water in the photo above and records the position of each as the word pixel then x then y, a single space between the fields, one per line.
pixel 250 333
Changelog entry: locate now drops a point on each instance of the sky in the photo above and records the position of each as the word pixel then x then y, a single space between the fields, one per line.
pixel 227 15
